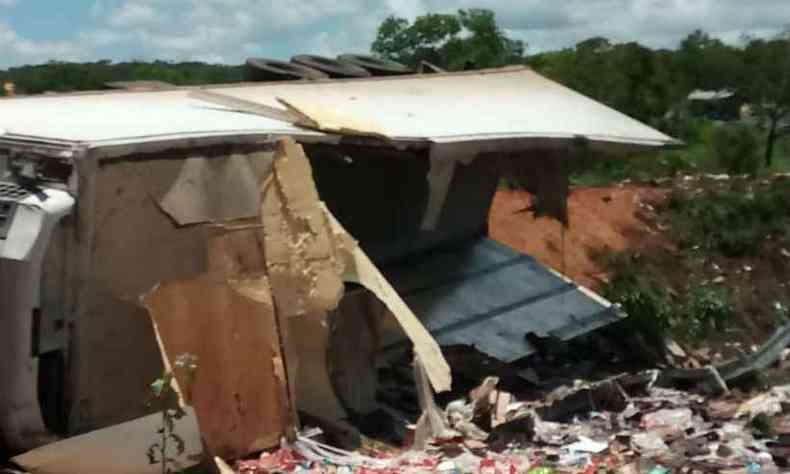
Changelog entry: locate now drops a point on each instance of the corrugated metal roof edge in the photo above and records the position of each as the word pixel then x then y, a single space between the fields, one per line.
pixel 608 313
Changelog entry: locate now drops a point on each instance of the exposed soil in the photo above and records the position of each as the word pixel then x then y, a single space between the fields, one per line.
pixel 602 220
pixel 623 220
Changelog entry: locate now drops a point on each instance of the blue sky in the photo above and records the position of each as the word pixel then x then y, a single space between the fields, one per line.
pixel 227 31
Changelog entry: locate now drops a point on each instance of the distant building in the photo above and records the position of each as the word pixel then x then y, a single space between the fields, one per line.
pixel 724 104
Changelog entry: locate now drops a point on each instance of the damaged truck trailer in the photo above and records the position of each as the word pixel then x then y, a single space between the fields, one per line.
pixel 190 209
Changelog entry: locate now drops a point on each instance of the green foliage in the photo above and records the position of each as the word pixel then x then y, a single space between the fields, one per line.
pixel 66 77
pixel 706 63
pixel 707 309
pixel 646 304
pixel 629 77
pixel 643 83
pixel 768 86
pixel 641 288
pixel 165 400
pixel 735 149
pixel 684 126
pixel 651 85
pixel 732 223
pixel 710 148
pixel 645 167
pixel 643 298
pixel 471 38
pixel 782 164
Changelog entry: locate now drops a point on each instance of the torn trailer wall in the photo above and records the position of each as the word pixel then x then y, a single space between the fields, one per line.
pixel 134 245
pixel 295 248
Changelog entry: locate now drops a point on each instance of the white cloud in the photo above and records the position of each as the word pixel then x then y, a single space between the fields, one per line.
pixel 230 30
pixel 16 49
pixel 97 9
pixel 657 23
pixel 132 14
pixel 101 37
pixel 233 29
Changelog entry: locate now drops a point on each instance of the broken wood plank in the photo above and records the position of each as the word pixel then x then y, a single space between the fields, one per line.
pixel 309 255
pixel 360 269
pixel 301 259
pixel 313 114
pixel 227 319
pixel 239 392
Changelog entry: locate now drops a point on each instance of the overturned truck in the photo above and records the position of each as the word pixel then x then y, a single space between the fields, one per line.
pixel 136 226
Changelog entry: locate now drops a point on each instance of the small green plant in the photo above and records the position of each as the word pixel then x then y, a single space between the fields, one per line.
pixel 647 305
pixel 165 400
pixel 642 287
pixel 706 309
pixel 675 162
pixel 735 149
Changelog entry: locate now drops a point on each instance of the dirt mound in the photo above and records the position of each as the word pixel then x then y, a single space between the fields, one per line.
pixel 601 220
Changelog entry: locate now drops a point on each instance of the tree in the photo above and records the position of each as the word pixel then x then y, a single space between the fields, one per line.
pixel 767 84
pixel 469 39
pixel 64 77
pixel 594 45
pixel 707 63
pixel 629 77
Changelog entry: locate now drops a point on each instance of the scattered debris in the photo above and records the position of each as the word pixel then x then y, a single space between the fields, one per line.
pixel 657 430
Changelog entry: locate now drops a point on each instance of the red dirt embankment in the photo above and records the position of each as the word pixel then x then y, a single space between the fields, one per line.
pixel 601 219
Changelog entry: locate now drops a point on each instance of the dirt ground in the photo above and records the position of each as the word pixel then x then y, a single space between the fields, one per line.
pixel 601 220
pixel 623 218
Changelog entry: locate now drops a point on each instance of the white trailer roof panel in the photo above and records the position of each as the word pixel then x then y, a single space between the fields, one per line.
pixel 453 107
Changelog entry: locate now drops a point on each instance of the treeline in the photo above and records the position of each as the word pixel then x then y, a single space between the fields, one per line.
pixel 58 76
pixel 645 83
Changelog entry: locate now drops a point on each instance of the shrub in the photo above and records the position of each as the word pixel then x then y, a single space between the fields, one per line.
pixel 731 222
pixel 652 312
pixel 707 309
pixel 675 162
pixel 735 149
pixel 647 306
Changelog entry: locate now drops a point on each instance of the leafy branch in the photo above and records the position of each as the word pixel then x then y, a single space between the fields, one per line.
pixel 164 398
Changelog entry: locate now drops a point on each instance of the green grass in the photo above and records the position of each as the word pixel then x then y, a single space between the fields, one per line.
pixel 731 222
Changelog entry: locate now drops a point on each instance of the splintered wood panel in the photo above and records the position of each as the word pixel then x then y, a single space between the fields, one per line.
pixel 239 391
